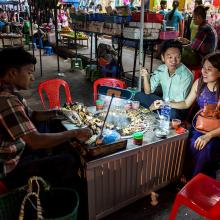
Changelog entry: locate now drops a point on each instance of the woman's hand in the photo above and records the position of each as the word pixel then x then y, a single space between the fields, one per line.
pixel 156 105
pixel 201 141
pixel 144 72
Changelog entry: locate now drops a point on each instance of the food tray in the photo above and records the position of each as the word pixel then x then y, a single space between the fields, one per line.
pixel 138 120
pixel 100 150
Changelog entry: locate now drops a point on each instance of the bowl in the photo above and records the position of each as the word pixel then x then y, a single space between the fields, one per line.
pixel 161 133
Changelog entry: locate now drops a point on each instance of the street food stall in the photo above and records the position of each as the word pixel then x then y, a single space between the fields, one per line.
pixel 67 34
pixel 126 170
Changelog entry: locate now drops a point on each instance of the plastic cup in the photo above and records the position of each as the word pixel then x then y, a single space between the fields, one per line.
pixel 127 106
pixel 99 104
pixel 135 105
pixel 138 138
pixel 176 123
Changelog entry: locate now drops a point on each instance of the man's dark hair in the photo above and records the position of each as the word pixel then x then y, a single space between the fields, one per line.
pixel 199 2
pixel 170 44
pixel 14 58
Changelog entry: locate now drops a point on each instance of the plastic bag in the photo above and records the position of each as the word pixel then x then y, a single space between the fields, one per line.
pixel 110 136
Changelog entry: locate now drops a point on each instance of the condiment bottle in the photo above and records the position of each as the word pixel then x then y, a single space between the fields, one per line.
pixel 99 104
pixel 138 138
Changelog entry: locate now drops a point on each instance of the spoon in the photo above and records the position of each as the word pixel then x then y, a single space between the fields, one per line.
pixel 100 137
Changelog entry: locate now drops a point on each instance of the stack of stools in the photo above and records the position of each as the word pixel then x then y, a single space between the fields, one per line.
pixel 76 63
pixel 92 73
pixel 48 50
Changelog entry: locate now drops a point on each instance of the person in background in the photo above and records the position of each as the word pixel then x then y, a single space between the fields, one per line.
pixel 205 41
pixel 131 5
pixel 174 18
pixel 193 26
pixel 100 9
pixel 174 77
pixel 91 7
pixel 203 152
pixel 24 151
pixel 163 7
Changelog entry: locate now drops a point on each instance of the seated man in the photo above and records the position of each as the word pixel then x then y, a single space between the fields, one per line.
pixel 23 150
pixel 174 77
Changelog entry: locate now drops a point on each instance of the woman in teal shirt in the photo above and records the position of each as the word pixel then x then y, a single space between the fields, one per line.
pixel 174 18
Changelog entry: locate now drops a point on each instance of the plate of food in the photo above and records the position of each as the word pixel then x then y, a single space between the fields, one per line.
pixel 161 133
pixel 184 41
pixel 125 122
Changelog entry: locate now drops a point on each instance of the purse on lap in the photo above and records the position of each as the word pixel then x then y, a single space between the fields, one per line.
pixel 208 119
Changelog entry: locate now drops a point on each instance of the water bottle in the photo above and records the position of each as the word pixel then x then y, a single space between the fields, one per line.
pixel 165 116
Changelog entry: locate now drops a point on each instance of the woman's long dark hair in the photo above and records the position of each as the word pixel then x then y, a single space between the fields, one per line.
pixel 214 59
pixel 175 6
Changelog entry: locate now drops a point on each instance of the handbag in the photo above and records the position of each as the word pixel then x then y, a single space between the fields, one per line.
pixel 208 118
pixel 37 201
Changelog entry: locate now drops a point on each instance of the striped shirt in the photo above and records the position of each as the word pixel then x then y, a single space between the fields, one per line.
pixel 206 40
pixel 14 123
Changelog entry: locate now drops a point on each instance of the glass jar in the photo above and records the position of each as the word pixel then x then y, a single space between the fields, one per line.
pixel 135 105
pixel 99 104
pixel 138 138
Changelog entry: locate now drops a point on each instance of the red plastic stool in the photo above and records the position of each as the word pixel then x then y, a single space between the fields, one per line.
pixel 196 72
pixel 202 195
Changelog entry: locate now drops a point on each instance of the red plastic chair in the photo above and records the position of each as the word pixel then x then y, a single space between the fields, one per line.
pixel 202 195
pixel 107 82
pixel 197 71
pixel 52 89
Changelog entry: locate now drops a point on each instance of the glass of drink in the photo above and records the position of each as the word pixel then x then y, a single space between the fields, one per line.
pixel 176 123
pixel 135 105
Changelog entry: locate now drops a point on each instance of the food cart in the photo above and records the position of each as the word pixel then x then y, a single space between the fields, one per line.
pixel 119 178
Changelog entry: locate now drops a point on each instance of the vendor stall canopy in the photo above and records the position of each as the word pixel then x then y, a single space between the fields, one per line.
pixel 5 2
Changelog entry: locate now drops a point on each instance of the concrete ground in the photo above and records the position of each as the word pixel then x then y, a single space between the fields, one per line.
pixel 81 90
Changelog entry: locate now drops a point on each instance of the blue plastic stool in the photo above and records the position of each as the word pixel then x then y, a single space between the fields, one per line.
pixel 48 51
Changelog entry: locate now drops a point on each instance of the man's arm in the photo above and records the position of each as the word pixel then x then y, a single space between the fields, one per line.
pixel 179 105
pixel 146 78
pixel 38 140
pixel 150 83
pixel 45 115
pixel 180 28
